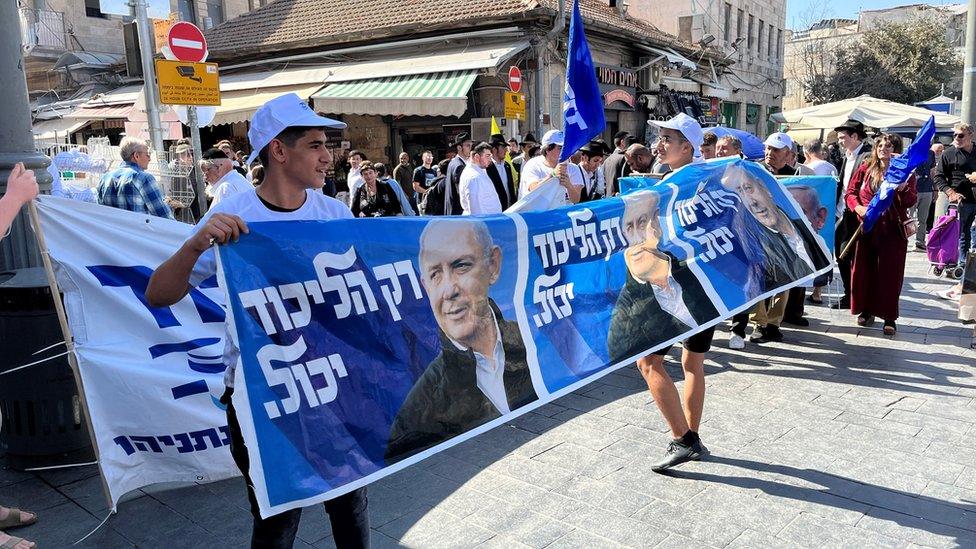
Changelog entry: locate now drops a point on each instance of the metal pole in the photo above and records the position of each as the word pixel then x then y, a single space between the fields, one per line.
pixel 148 73
pixel 18 249
pixel 968 82
pixel 191 120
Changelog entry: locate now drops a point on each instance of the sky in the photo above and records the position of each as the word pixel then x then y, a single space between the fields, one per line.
pixel 801 13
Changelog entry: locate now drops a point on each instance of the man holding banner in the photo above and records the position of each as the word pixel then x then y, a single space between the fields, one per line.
pixel 291 142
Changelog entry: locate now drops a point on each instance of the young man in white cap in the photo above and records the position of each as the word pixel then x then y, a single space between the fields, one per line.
pixel 679 144
pixel 291 142
pixel 538 170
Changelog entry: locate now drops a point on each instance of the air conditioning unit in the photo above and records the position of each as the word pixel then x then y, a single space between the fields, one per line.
pixel 652 77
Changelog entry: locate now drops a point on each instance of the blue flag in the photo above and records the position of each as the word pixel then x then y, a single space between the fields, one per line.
pixel 899 171
pixel 582 105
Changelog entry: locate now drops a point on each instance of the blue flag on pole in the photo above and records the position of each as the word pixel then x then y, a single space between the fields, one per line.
pixel 899 171
pixel 582 106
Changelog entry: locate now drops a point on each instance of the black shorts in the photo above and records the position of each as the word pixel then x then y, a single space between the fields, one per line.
pixel 699 342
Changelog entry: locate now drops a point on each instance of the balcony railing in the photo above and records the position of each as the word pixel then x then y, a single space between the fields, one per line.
pixel 43 29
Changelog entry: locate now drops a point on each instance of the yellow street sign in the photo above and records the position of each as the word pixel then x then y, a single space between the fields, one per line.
pixel 182 83
pixel 515 105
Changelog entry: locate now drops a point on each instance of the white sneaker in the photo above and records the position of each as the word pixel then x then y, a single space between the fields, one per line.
pixel 736 342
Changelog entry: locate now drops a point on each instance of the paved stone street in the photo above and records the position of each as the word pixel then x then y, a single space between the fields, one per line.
pixel 836 437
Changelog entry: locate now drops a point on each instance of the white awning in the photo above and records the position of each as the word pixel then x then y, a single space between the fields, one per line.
pixel 468 59
pixel 57 129
pixel 240 105
pixel 681 84
pixel 672 56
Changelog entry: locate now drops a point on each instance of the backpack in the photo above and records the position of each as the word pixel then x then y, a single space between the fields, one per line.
pixel 432 202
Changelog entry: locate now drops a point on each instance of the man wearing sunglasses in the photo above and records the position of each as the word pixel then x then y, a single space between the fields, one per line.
pixel 955 174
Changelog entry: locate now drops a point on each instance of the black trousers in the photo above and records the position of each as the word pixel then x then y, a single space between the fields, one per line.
pixel 794 305
pixel 699 342
pixel 349 513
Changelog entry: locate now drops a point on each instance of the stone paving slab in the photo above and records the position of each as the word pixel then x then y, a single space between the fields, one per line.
pixel 837 436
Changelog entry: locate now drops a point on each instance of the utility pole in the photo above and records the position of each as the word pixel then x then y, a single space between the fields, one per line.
pixel 18 249
pixel 201 187
pixel 141 11
pixel 968 82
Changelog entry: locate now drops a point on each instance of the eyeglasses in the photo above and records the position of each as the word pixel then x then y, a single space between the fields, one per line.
pixel 959 135
pixel 667 139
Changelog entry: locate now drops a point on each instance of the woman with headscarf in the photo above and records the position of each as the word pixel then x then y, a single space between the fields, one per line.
pixel 879 259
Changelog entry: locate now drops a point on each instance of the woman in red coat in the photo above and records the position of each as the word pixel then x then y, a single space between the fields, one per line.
pixel 879 259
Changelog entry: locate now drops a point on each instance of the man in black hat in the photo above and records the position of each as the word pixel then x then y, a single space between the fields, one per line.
pixel 500 172
pixel 527 144
pixel 614 164
pixel 588 168
pixel 452 199
pixel 851 136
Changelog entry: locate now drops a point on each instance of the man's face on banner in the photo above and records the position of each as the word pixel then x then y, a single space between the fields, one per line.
pixel 457 268
pixel 809 200
pixel 759 202
pixel 642 227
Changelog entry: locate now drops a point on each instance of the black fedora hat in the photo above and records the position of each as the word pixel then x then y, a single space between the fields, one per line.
pixel 461 138
pixel 595 147
pixel 853 126
pixel 529 139
pixel 497 140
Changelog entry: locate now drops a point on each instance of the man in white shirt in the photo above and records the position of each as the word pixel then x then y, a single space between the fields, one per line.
pixel 816 154
pixel 223 179
pixel 355 179
pixel 850 135
pixel 291 142
pixel 544 167
pixel 478 196
pixel 481 371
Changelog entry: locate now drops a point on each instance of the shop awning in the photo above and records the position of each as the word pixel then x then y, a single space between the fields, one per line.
pixel 240 105
pixel 102 113
pixel 57 128
pixel 681 84
pixel 672 56
pixel 433 94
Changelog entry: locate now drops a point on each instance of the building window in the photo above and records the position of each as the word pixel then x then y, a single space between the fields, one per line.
pixel 779 44
pixel 738 24
pixel 770 50
pixel 728 23
pixel 752 25
pixel 187 10
pixel 93 8
pixel 759 37
pixel 730 114
pixel 215 13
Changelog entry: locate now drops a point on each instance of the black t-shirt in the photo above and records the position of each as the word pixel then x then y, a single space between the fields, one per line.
pixel 424 176
pixel 951 170
pixel 383 204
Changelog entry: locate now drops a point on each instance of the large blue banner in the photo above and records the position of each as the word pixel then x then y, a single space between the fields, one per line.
pixel 367 345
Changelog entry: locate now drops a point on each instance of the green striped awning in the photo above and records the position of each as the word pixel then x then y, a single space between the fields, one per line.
pixel 435 94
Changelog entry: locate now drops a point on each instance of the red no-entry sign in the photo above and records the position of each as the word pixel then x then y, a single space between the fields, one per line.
pixel 514 79
pixel 187 42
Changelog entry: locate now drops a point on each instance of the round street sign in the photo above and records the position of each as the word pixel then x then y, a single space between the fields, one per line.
pixel 514 79
pixel 187 42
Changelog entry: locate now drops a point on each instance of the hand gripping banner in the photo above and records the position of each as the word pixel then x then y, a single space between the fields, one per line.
pixel 368 345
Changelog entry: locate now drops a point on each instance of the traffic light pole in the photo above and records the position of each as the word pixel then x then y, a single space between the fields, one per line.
pixel 141 11
pixel 18 249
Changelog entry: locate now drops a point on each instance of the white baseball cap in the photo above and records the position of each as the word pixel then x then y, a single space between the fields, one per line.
pixel 779 140
pixel 282 112
pixel 553 137
pixel 688 126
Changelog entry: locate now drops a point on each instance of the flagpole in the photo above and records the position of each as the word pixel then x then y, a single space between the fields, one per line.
pixel 69 341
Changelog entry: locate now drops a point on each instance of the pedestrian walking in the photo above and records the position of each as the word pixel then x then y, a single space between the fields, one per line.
pixel 920 211
pixel 817 158
pixel 542 168
pixel 452 199
pixel 423 178
pixel 501 173
pixel 954 175
pixel 856 151
pixel 403 174
pixel 222 179
pixel 375 197
pixel 613 164
pixel 476 189
pixel 355 179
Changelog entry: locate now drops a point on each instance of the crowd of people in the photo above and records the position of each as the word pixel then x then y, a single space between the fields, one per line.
pixel 289 166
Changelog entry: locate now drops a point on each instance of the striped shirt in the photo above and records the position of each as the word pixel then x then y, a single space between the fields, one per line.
pixel 131 188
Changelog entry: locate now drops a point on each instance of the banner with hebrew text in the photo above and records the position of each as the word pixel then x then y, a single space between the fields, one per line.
pixel 369 344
